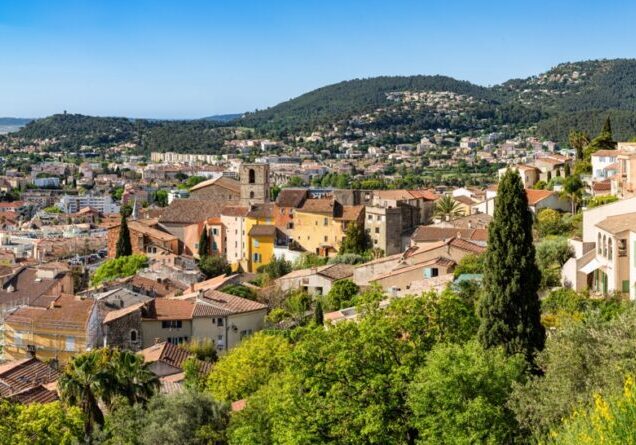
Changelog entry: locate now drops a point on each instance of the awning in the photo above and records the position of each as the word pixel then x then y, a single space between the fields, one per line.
pixel 590 267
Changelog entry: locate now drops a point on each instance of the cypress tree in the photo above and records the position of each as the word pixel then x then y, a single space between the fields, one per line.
pixel 566 170
pixel 510 311
pixel 319 315
pixel 204 243
pixel 123 248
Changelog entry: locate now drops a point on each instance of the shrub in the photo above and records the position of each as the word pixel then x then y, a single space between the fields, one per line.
pixel 114 268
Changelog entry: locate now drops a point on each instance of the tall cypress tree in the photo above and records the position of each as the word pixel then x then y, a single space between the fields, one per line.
pixel 510 311
pixel 204 243
pixel 123 248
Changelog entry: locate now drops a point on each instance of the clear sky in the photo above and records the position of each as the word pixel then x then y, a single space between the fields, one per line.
pixel 183 59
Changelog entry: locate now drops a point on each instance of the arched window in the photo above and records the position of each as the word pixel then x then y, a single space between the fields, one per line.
pixel 610 249
pixel 251 195
pixel 599 245
pixel 604 246
pixel 252 176
pixel 133 335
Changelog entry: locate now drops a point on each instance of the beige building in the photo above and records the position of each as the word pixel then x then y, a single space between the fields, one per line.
pixel 315 280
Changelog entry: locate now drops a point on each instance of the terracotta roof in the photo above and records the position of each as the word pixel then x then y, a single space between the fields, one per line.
pixel 618 223
pixel 439 261
pixel 261 211
pixel 610 153
pixel 291 198
pixel 464 200
pixel 165 288
pixel 394 195
pixel 35 394
pixel 222 181
pixel 318 205
pixel 18 375
pixel 467 245
pixel 602 186
pixel 424 194
pixel 337 271
pixel 534 196
pixel 146 229
pixel 25 287
pixel 190 211
pixel 169 309
pixel 172 355
pixel 262 230
pixel 116 315
pixel 234 211
pixel 215 303
pixel 472 221
pixel 350 213
pixel 432 233
pixel 67 310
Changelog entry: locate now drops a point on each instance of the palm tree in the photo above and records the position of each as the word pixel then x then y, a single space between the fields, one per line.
pixel 131 378
pixel 446 208
pixel 83 383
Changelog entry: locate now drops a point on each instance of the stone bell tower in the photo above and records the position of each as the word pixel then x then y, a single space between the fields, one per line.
pixel 254 184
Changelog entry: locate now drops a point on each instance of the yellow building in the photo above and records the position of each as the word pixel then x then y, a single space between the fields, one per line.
pixel 66 327
pixel 320 225
pixel 260 237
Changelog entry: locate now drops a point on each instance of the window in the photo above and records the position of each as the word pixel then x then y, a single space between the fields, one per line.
pixel 256 243
pixel 133 335
pixel 171 324
pixel 610 249
pixel 622 247
pixel 604 246
pixel 370 217
pixel 599 245
pixel 251 195
pixel 251 177
pixel 257 257
pixel 325 222
pixel 245 333
pixel 220 337
pixel 377 230
pixel 626 286
pixel 17 338
pixel 70 344
pixel 219 322
pixel 378 218
pixel 215 231
pixel 326 238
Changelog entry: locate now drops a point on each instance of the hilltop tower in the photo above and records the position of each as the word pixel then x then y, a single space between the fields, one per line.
pixel 254 184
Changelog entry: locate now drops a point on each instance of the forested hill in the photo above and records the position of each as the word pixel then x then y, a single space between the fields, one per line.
pixel 332 103
pixel 569 96
pixel 579 94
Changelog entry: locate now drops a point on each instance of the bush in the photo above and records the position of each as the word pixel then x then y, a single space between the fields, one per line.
pixel 277 267
pixel 470 264
pixel 240 291
pixel 114 268
pixel 308 260
pixel 212 266
pixel 601 200
pixel 549 222
pixel 341 295
pixel 348 258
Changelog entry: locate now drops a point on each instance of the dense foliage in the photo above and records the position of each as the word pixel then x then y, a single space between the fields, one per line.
pixel 114 268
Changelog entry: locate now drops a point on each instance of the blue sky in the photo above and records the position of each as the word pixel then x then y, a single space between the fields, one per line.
pixel 183 59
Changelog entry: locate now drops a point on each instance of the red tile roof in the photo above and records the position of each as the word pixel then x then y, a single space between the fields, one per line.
pixel 534 196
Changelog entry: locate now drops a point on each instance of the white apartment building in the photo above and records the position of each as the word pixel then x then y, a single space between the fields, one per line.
pixel 101 203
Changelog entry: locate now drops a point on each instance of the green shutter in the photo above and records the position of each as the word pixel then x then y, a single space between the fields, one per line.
pixel 626 286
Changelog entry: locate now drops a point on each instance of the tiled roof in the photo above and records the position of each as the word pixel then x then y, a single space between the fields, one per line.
pixel 608 153
pixel 464 200
pixel 214 302
pixel 222 181
pixel 467 245
pixel 534 196
pixel 262 230
pixel 18 375
pixel 291 198
pixel 350 213
pixel 116 315
pixel 439 261
pixel 172 355
pixel 141 227
pixel 618 223
pixel 35 394
pixel 234 211
pixel 166 287
pixel 472 221
pixel 318 205
pixel 190 211
pixel 432 233
pixel 67 311
pixel 169 309
pixel 337 271
pixel 424 194
pixel 602 186
pixel 394 195
pixel 261 210
pixel 26 288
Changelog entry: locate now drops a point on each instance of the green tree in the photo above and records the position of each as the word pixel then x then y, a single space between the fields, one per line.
pixel 40 424
pixel 130 378
pixel 572 190
pixel 356 239
pixel 341 295
pixel 161 198
pixel 319 316
pixel 510 310
pixel 470 264
pixel 123 247
pixel 247 367
pixel 549 222
pixel 214 265
pixel 114 268
pixel 459 396
pixel 277 267
pixel 447 209
pixel 204 243
pixel 84 381
pixel 578 140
